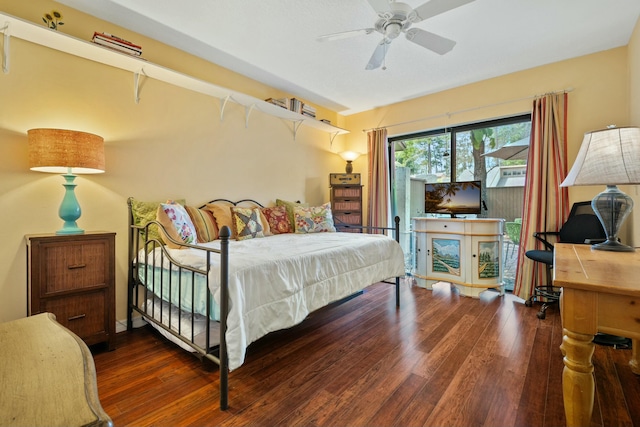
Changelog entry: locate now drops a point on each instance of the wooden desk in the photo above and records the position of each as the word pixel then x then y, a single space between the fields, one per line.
pixel 600 293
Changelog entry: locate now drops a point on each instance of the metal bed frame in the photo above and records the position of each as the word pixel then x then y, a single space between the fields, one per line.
pixel 211 350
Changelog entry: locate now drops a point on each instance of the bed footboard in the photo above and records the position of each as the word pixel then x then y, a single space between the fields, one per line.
pixel 189 317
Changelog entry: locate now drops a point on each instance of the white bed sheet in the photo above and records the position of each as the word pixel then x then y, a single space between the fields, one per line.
pixel 276 281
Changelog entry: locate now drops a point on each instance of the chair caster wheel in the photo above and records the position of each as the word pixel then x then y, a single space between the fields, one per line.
pixel 541 315
pixel 528 303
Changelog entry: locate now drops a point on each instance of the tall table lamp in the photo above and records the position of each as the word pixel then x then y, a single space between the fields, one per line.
pixel 609 157
pixel 349 156
pixel 67 152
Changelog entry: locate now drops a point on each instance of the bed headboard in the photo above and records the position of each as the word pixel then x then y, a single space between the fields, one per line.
pixel 236 203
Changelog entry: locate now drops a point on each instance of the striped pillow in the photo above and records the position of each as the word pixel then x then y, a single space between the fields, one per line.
pixel 205 224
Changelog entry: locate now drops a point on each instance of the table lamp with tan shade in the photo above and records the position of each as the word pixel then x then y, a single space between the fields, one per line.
pixel 67 152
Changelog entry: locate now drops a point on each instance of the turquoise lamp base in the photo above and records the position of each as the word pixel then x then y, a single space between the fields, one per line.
pixel 70 208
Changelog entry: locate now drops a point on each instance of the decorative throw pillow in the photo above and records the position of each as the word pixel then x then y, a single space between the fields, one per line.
pixel 290 206
pixel 265 224
pixel 314 219
pixel 204 222
pixel 143 212
pixel 222 214
pixel 177 223
pixel 277 219
pixel 247 223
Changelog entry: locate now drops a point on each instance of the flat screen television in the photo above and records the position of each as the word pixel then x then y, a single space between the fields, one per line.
pixel 453 198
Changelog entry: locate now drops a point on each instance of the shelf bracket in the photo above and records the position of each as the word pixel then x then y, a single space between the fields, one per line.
pixel 247 113
pixel 296 126
pixel 223 105
pixel 137 84
pixel 332 136
pixel 5 48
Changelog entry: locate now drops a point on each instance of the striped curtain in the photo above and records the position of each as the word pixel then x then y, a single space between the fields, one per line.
pixel 379 204
pixel 546 205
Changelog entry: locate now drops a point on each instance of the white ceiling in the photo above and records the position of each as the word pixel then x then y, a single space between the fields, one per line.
pixel 275 41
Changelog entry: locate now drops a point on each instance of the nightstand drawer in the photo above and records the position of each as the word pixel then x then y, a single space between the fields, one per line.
pixel 73 266
pixel 346 205
pixel 73 277
pixel 81 313
pixel 353 218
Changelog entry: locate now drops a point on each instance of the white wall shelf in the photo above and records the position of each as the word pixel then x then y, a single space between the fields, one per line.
pixel 12 26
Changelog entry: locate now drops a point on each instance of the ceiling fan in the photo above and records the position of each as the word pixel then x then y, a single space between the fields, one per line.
pixel 395 18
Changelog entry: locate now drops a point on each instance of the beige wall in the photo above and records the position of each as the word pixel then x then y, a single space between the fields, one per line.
pixel 173 144
pixel 170 145
pixel 599 96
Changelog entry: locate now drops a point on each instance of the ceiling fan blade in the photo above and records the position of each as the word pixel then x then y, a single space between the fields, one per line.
pixel 378 55
pixel 345 34
pixel 434 42
pixel 379 5
pixel 436 7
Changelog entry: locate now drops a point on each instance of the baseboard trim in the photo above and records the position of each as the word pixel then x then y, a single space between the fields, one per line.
pixel 121 325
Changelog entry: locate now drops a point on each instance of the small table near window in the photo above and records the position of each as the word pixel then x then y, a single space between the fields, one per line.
pixel 600 293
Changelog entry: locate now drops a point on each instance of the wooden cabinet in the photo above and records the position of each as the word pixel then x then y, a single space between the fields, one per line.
pixel 346 206
pixel 73 277
pixel 464 252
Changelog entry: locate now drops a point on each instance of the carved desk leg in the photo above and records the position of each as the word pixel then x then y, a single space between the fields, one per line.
pixel 635 366
pixel 577 378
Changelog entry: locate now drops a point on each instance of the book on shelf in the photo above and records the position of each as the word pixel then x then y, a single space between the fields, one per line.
pixel 117 43
pixel 282 102
pixel 294 105
pixel 308 110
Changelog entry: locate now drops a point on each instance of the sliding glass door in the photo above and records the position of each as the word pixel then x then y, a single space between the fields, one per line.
pixel 492 152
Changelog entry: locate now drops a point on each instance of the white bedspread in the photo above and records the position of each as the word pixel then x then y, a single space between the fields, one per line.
pixel 276 281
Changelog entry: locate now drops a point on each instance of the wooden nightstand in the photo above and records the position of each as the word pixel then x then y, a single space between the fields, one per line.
pixel 73 277
pixel 346 205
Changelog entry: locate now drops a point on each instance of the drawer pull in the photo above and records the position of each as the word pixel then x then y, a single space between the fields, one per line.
pixel 79 316
pixel 74 266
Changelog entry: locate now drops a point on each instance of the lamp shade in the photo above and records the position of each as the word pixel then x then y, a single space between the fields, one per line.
pixel 349 155
pixel 607 157
pixel 58 151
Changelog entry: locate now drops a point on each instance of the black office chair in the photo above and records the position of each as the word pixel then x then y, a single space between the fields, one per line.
pixel 582 226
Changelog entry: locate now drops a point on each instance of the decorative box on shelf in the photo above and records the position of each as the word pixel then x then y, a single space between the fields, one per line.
pixel 344 178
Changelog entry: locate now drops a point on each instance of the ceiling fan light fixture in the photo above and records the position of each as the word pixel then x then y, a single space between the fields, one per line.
pixel 392 30
pixel 395 17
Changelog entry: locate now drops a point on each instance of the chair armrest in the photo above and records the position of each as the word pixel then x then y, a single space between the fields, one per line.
pixel 540 236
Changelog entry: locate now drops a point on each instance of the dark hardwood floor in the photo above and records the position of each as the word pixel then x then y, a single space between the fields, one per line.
pixel 441 360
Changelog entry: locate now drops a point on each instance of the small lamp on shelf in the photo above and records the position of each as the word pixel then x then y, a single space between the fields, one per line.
pixel 67 152
pixel 349 156
pixel 609 157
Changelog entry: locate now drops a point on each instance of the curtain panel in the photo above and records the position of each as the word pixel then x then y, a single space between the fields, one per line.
pixel 545 204
pixel 379 203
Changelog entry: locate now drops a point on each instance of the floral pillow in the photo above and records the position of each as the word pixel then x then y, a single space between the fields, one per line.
pixel 277 219
pixel 290 206
pixel 143 212
pixel 315 219
pixel 246 223
pixel 177 223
